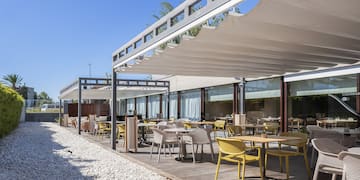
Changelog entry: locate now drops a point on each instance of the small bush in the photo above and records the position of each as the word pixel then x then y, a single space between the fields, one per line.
pixel 11 104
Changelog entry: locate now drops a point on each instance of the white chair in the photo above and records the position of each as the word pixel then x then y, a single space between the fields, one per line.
pixel 162 138
pixel 351 169
pixel 328 161
pixel 199 136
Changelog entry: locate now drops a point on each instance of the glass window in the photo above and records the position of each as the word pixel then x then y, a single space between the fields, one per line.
pixel 154 106
pixel 122 107
pixel 164 106
pixel 218 101
pixel 141 106
pixel 173 105
pixel 323 99
pixel 190 104
pixel 130 106
pixel 262 99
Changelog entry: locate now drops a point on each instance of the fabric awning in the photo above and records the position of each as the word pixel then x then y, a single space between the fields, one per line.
pixel 278 37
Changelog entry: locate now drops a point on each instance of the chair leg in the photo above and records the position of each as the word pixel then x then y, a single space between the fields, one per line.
pixel 312 163
pixel 316 171
pixel 287 166
pixel 239 168
pixel 280 163
pixel 159 152
pixel 212 152
pixel 307 163
pixel 193 154
pixel 261 167
pixel 218 167
pixel 266 159
pixel 243 170
pixel 202 152
pixel 152 147
pixel 333 177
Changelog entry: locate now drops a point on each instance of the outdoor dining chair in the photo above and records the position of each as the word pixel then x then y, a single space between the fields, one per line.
pixel 162 139
pixel 233 150
pixel 219 125
pixel 328 160
pixel 199 136
pixel 121 132
pixel 351 165
pixel 233 130
pixel 301 150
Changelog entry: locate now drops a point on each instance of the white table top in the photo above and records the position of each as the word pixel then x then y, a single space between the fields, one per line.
pixel 145 125
pixel 178 130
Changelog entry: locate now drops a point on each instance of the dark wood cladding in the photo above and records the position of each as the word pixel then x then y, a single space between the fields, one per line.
pixel 283 105
pixel 202 103
pixel 87 109
pixel 236 98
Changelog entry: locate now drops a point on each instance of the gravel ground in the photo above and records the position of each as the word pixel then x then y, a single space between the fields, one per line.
pixel 47 151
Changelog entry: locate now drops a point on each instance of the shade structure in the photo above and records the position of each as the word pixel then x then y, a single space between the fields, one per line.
pixel 105 93
pixel 278 37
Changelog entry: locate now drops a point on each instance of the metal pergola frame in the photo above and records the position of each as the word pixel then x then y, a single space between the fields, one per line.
pixel 114 83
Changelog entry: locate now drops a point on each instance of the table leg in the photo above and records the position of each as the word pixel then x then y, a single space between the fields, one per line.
pixel 263 160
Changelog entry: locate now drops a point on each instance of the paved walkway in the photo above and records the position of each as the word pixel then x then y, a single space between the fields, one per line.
pixel 47 151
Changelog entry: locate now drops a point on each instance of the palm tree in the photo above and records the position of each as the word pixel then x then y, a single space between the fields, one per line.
pixel 166 7
pixel 13 80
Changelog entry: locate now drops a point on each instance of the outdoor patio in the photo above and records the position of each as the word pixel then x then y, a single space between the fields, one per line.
pixel 204 169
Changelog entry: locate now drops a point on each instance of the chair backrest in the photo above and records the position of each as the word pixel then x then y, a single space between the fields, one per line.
pixel 351 162
pixel 158 135
pixel 102 118
pixel 301 142
pixel 327 146
pixel 200 136
pixel 271 127
pixel 102 125
pixel 179 123
pixel 233 130
pixel 219 124
pixel 325 133
pixel 230 146
pixel 84 118
pixel 121 128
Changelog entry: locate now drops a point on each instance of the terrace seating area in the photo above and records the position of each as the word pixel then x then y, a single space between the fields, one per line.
pixel 176 143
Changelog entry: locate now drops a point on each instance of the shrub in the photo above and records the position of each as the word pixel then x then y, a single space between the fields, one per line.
pixel 11 104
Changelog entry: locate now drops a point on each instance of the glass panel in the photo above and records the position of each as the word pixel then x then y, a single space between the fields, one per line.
pixel 327 102
pixel 218 101
pixel 130 106
pixel 161 29
pixel 196 6
pixel 154 106
pixel 141 106
pixel 173 105
pixel 190 105
pixel 122 107
pixel 137 43
pixel 262 99
pixel 179 17
pixel 148 37
pixel 164 106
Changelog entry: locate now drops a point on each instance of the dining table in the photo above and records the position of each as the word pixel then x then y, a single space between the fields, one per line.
pixel 253 127
pixel 264 140
pixel 180 132
pixel 142 127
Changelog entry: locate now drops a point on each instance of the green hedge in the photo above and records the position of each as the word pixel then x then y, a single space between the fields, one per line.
pixel 11 104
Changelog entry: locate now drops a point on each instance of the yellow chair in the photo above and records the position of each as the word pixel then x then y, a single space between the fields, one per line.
pixel 219 125
pixel 187 125
pixel 103 128
pixel 233 150
pixel 121 132
pixel 299 144
pixel 271 128
pixel 233 130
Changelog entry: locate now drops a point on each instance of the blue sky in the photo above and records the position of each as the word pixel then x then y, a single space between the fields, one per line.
pixel 52 42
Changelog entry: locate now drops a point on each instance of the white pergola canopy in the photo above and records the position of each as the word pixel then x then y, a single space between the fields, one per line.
pixel 105 93
pixel 278 37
